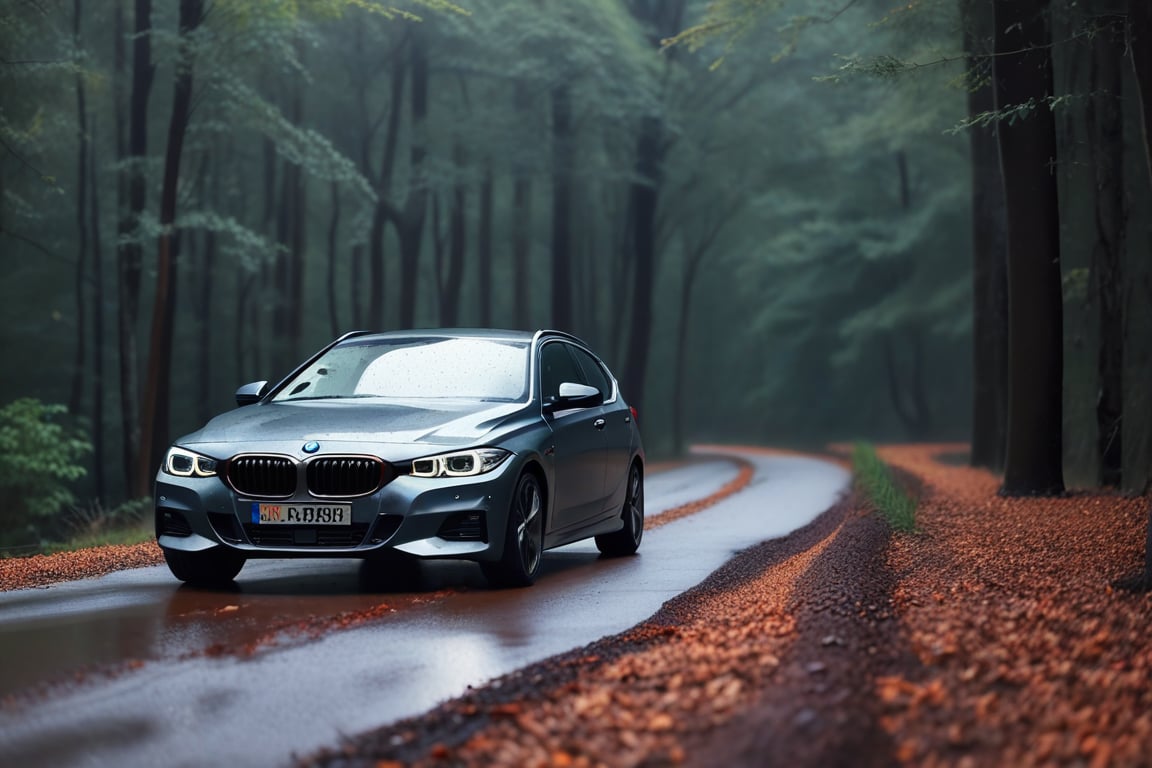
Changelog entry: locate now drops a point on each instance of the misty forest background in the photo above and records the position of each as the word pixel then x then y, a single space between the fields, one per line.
pixel 779 221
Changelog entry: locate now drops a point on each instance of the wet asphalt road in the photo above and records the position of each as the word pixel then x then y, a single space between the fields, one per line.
pixel 131 669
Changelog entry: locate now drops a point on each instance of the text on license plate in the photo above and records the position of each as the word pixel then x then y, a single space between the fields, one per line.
pixel 301 514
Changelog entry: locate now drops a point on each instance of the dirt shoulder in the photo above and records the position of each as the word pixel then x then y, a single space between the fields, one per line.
pixel 990 637
pixel 42 570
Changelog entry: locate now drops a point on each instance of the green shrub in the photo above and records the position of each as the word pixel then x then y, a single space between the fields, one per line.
pixel 39 460
pixel 874 479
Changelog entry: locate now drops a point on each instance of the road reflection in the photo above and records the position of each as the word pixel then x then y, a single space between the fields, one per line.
pixel 271 604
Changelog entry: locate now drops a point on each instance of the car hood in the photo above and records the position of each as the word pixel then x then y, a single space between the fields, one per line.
pixel 393 430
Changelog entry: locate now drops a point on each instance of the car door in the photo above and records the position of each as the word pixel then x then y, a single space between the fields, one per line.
pixel 615 427
pixel 578 443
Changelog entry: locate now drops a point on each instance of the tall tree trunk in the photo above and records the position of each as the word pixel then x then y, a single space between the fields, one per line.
pixel 206 338
pixel 298 240
pixel 989 252
pixel 280 333
pixel 457 237
pixel 333 231
pixel 262 306
pixel 645 194
pixel 438 261
pixel 1106 131
pixel 76 399
pixel 99 437
pixel 484 248
pixel 1140 50
pixel 411 224
pixel 130 249
pixel 679 384
pixel 1023 73
pixel 663 18
pixel 521 224
pixel 562 160
pixel 357 276
pixel 155 416
pixel 383 190
pixel 906 389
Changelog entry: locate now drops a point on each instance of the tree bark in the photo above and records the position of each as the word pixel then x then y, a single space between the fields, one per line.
pixel 411 224
pixel 644 195
pixel 1023 75
pixel 457 236
pixel 663 18
pixel 1106 132
pixel 298 239
pixel 206 338
pixel 99 437
pixel 133 186
pixel 484 248
pixel 1140 51
pixel 76 399
pixel 679 383
pixel 521 223
pixel 333 231
pixel 380 213
pixel 157 394
pixel 906 390
pixel 989 252
pixel 562 157
pixel 357 271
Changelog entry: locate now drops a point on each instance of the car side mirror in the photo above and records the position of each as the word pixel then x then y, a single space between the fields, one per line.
pixel 572 395
pixel 251 393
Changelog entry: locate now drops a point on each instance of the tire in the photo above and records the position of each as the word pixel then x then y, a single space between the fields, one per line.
pixel 523 538
pixel 213 567
pixel 627 540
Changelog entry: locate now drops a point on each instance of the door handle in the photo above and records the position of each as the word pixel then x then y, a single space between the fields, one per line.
pixel 599 423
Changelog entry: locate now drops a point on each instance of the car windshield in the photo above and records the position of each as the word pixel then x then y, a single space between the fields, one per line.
pixel 416 368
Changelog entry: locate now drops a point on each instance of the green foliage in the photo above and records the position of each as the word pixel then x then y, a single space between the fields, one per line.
pixel 39 460
pixel 873 478
pixel 1015 112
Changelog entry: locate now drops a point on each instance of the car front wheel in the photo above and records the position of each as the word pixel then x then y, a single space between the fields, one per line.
pixel 627 540
pixel 523 538
pixel 213 567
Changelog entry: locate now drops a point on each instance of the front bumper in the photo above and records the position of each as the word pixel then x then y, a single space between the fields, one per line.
pixel 427 517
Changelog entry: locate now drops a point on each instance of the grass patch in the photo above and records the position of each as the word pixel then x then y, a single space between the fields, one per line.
pixel 874 479
pixel 134 534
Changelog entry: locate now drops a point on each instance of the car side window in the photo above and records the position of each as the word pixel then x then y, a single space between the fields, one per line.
pixel 557 367
pixel 594 375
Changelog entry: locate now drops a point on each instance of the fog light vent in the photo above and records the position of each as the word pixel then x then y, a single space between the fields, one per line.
pixel 464 526
pixel 169 522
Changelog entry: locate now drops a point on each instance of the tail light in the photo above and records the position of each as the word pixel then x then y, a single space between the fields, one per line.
pixel 635 415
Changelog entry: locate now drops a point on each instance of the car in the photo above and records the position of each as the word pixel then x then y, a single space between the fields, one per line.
pixel 484 445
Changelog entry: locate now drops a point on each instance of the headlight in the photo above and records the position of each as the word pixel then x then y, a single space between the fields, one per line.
pixel 462 464
pixel 184 463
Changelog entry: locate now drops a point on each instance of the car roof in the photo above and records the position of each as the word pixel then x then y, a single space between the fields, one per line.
pixel 495 334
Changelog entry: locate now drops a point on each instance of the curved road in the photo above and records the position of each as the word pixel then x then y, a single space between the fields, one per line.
pixel 131 669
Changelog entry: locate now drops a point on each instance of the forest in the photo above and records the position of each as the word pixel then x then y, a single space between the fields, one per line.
pixel 782 222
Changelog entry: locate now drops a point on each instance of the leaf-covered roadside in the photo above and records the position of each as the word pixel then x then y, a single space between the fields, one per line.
pixel 1029 657
pixel 989 637
pixel 42 570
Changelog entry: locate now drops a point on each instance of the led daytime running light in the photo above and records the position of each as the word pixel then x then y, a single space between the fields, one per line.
pixel 182 463
pixel 462 464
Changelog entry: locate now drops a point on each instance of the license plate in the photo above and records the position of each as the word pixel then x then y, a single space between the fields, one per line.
pixel 301 514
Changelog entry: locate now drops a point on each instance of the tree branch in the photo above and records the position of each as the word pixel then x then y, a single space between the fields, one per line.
pixel 23 160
